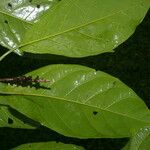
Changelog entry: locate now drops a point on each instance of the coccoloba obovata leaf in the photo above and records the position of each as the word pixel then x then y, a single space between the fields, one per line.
pixel 78 28
pixel 48 146
pixel 80 102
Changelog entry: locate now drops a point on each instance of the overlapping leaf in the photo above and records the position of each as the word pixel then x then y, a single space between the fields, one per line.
pixel 48 146
pixel 17 16
pixel 140 141
pixel 78 28
pixel 7 119
pixel 79 102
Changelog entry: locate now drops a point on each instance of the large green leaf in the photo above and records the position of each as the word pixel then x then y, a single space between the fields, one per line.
pixel 140 141
pixel 48 146
pixel 79 102
pixel 78 28
pixel 17 16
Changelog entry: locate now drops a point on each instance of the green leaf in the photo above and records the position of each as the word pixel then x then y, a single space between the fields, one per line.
pixel 78 28
pixel 140 141
pixel 7 119
pixel 79 102
pixel 48 146
pixel 16 17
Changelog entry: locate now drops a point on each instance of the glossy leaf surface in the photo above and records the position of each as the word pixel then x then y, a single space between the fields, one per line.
pixel 79 102
pixel 140 141
pixel 48 146
pixel 17 16
pixel 78 28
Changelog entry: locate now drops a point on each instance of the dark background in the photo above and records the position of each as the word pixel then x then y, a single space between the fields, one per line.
pixel 130 63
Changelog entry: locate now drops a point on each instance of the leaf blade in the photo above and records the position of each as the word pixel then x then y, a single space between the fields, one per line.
pixel 83 28
pixel 47 146
pixel 80 103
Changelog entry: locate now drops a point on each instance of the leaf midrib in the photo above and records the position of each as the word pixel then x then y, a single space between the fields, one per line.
pixel 63 99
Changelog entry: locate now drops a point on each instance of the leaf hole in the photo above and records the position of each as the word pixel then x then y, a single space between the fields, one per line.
pixel 9 5
pixel 38 6
pixel 95 112
pixel 10 121
pixel 6 21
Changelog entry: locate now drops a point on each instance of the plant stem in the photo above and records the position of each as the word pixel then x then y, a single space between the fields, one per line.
pixel 7 53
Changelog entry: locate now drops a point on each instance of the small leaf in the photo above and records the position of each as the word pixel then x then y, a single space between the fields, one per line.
pixel 140 141
pixel 79 102
pixel 9 120
pixel 48 146
pixel 78 28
